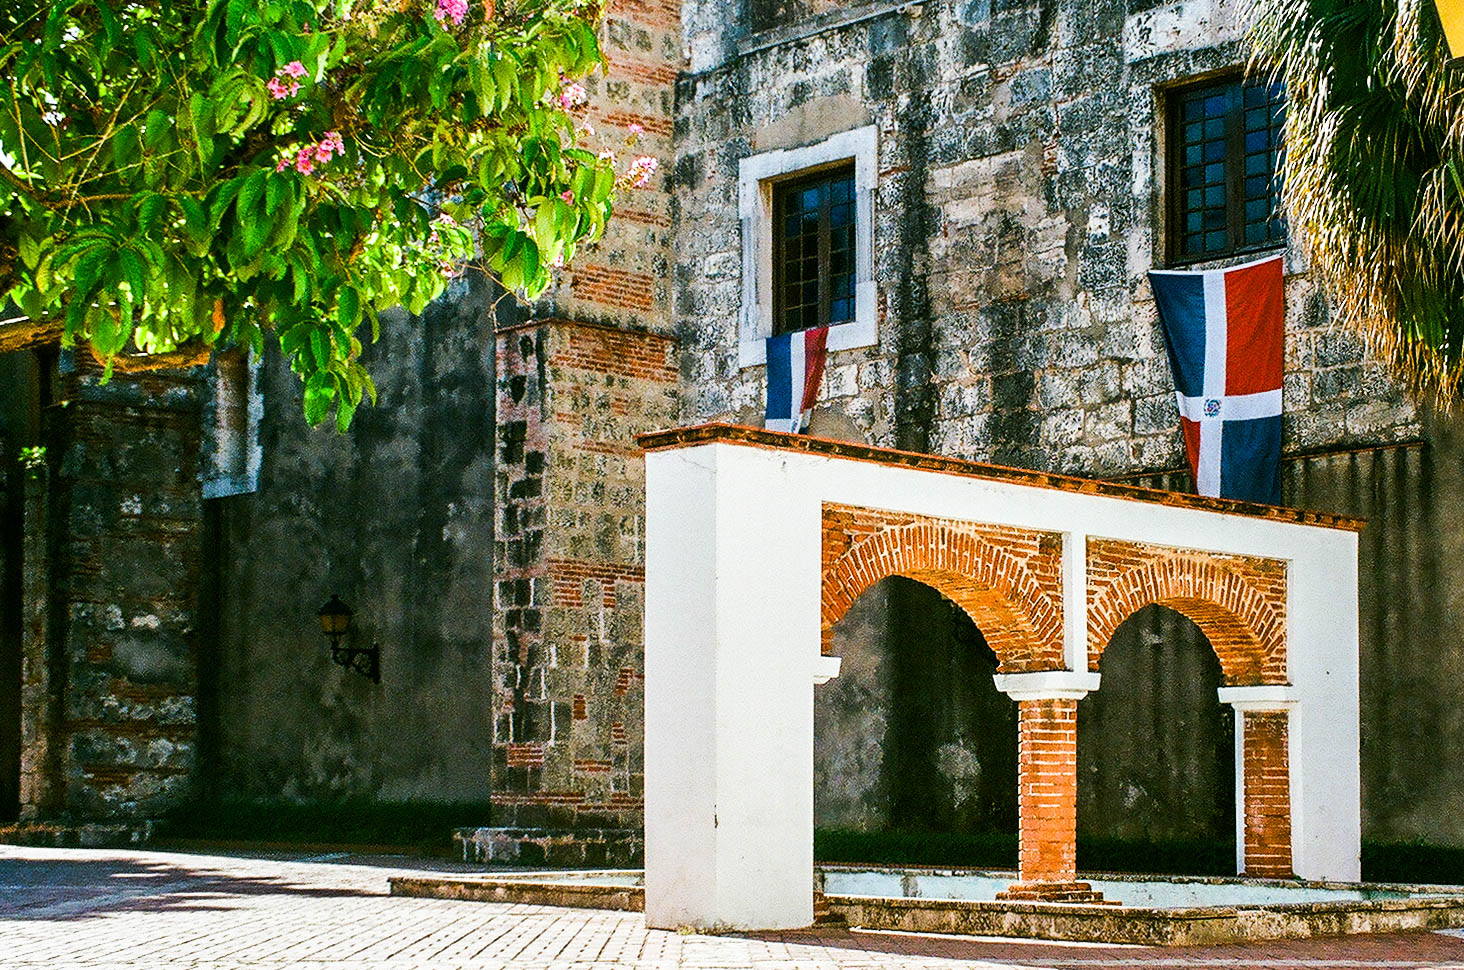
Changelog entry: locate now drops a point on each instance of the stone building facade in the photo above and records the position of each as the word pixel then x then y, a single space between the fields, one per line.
pixel 484 521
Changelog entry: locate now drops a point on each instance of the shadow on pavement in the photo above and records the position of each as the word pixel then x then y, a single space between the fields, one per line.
pixel 85 888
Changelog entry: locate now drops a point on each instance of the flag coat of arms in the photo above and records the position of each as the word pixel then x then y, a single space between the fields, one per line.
pixel 795 368
pixel 1224 330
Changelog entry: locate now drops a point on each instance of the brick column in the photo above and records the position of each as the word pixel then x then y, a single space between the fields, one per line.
pixel 1047 777
pixel 1047 758
pixel 1263 771
pixel 1267 794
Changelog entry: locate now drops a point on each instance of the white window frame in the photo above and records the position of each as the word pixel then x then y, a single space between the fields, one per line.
pixel 756 177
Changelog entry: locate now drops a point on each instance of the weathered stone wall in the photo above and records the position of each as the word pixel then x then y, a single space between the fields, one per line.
pixel 589 369
pixel 570 582
pixel 1017 211
pixel 397 518
pixel 913 733
pixel 1156 748
pixel 111 569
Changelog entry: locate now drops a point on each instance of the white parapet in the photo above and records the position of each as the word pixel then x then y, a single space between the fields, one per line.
pixel 732 642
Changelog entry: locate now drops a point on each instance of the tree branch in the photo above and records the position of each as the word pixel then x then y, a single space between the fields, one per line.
pixel 23 333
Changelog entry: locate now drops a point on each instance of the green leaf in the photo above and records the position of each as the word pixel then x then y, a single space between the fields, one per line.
pixel 348 309
pixel 126 147
pixel 318 347
pixel 320 392
pixel 150 207
pixel 345 411
pixel 158 129
pixel 30 250
pixel 278 189
pixel 250 192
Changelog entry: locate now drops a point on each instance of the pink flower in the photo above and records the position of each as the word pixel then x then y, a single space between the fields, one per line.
pixel 642 169
pixel 572 96
pixel 634 128
pixel 294 69
pixel 454 10
pixel 283 163
pixel 304 164
pixel 279 90
pixel 567 196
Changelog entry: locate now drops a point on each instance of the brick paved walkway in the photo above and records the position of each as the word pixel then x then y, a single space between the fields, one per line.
pixel 62 908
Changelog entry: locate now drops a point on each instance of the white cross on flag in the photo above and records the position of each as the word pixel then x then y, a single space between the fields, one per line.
pixel 1224 330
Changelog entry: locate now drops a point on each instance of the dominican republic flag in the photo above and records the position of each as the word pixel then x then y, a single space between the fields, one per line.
pixel 795 367
pixel 1224 330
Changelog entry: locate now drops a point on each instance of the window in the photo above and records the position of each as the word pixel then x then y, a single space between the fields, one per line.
pixel 231 448
pixel 1225 142
pixel 813 238
pixel 808 243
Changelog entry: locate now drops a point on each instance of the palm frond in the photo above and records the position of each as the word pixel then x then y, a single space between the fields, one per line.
pixel 1373 172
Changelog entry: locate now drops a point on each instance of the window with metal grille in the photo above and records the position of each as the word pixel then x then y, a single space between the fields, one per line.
pixel 1225 142
pixel 813 250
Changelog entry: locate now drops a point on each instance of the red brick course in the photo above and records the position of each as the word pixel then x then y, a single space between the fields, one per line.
pixel 614 287
pixel 1267 794
pixel 1047 798
pixel 1008 580
pixel 1238 602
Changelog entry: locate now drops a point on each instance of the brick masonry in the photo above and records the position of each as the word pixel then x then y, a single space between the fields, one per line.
pixel 569 579
pixel 593 367
pixel 1267 794
pixel 1239 603
pixel 1008 580
pixel 624 279
pixel 1047 741
pixel 112 551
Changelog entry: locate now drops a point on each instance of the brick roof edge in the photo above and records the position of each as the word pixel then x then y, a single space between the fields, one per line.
pixel 782 441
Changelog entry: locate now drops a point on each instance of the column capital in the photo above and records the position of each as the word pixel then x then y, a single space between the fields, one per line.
pixel 1041 685
pixel 826 668
pixel 1263 697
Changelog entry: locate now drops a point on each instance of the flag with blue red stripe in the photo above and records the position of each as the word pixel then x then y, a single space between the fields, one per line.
pixel 795 368
pixel 1224 330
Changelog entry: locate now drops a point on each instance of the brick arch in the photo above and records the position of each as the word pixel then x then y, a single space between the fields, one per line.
pixel 1020 619
pixel 1246 626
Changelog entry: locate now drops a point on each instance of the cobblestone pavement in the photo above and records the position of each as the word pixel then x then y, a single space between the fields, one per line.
pixel 63 908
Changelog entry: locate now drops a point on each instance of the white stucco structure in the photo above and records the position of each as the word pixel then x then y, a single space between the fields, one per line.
pixel 733 593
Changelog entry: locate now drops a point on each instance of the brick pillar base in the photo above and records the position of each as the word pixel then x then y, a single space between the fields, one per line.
pixel 1047 823
pixel 1267 794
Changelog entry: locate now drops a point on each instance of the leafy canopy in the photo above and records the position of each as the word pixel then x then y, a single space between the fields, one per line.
pixel 180 173
pixel 1374 171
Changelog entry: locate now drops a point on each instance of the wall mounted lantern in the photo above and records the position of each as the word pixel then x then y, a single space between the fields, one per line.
pixel 1451 15
pixel 335 620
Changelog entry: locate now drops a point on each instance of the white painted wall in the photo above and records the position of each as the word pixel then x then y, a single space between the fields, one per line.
pixel 732 650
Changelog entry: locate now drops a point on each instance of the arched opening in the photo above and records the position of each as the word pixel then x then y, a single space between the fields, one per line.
pixel 915 750
pixel 1156 753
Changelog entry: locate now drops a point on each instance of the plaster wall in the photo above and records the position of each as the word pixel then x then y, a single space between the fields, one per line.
pixel 397 517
